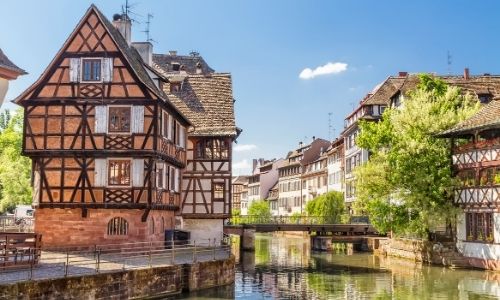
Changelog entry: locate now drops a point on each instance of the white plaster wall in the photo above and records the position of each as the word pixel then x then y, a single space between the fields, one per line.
pixel 333 168
pixel 496 229
pixel 479 250
pixel 204 229
pixel 461 232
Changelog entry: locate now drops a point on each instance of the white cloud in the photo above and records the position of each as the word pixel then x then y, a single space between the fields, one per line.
pixel 329 68
pixel 243 147
pixel 242 165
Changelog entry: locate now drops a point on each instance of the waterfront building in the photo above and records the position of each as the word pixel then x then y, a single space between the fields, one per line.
pixel 272 199
pixel 315 177
pixel 476 164
pixel 8 71
pixel 264 177
pixel 335 165
pixel 292 190
pixel 239 185
pixel 110 128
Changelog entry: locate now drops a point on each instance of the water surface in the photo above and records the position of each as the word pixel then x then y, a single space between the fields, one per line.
pixel 286 268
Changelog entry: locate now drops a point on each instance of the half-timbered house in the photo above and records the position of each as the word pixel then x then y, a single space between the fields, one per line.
pixel 206 98
pixel 476 164
pixel 107 145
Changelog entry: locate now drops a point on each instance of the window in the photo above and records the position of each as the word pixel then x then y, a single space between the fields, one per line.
pixel 218 190
pixel 479 227
pixel 118 226
pixel 176 66
pixel 91 69
pixel 212 149
pixel 175 87
pixel 382 109
pixel 119 119
pixel 160 176
pixel 119 172
pixel 484 98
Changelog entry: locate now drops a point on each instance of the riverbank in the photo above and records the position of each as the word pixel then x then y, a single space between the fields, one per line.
pixel 106 273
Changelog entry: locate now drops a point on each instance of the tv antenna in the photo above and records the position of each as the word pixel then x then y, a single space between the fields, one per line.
pixel 330 126
pixel 448 60
pixel 147 31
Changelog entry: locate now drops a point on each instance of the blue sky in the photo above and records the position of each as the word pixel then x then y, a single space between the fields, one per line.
pixel 267 44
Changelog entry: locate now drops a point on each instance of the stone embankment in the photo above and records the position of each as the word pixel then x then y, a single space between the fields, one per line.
pixel 437 253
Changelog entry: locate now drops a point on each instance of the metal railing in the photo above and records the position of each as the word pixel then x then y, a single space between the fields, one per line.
pixel 295 220
pixel 13 224
pixel 64 262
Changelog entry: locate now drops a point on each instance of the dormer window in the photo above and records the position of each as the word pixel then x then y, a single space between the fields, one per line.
pixel 91 69
pixel 176 66
pixel 484 98
pixel 175 87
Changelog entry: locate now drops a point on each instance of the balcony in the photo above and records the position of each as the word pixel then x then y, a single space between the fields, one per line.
pixel 476 155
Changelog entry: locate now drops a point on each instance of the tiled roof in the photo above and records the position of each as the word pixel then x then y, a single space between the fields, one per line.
pixel 383 94
pixel 486 118
pixel 241 179
pixel 476 85
pixel 189 63
pixel 207 100
pixel 6 63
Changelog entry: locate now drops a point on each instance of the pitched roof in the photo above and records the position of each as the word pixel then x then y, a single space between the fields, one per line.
pixel 240 179
pixel 189 62
pixel 486 118
pixel 6 63
pixel 384 92
pixel 206 99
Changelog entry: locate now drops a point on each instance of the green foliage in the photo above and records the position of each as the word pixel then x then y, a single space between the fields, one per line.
pixel 406 186
pixel 15 170
pixel 330 206
pixel 295 217
pixel 235 216
pixel 261 210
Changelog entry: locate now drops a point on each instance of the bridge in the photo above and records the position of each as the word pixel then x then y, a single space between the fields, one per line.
pixel 355 231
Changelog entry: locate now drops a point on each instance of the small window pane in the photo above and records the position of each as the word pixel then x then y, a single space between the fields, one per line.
pixel 119 172
pixel 119 119
pixel 91 69
pixel 218 189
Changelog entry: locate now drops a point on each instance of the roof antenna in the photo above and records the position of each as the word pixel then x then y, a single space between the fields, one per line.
pixel 330 126
pixel 449 62
pixel 147 31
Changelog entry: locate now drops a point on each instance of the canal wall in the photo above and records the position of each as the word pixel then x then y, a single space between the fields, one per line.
pixel 444 254
pixel 139 283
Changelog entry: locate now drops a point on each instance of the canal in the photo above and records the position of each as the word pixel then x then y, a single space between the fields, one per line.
pixel 285 268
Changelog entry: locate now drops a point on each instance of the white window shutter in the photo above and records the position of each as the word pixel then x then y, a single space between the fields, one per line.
pixel 182 141
pixel 74 69
pixel 101 119
pixel 172 175
pixel 170 127
pixel 177 181
pixel 138 119
pixel 107 69
pixel 100 172
pixel 138 171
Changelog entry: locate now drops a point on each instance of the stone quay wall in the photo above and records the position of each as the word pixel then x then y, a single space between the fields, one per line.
pixel 129 284
pixel 444 254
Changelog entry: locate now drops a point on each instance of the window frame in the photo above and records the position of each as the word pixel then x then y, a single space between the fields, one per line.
pixel 108 162
pixel 109 107
pixel 111 227
pixel 480 223
pixel 219 183
pixel 82 71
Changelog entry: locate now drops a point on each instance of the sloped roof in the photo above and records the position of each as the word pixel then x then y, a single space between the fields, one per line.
pixel 207 100
pixel 189 62
pixel 486 118
pixel 475 85
pixel 6 63
pixel 240 179
pixel 385 91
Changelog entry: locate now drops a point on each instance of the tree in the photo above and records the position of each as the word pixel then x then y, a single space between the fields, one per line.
pixel 260 210
pixel 407 184
pixel 15 170
pixel 328 207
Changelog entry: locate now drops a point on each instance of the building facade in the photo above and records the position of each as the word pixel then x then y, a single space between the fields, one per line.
pixel 476 164
pixel 8 71
pixel 110 147
pixel 335 165
pixel 239 185
pixel 260 183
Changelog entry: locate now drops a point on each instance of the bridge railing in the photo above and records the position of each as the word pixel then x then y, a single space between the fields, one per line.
pixel 298 220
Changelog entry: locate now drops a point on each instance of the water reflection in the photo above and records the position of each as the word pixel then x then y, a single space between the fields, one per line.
pixel 285 268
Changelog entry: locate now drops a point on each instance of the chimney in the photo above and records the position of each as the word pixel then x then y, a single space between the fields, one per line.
pixel 403 74
pixel 300 144
pixel 145 50
pixel 254 164
pixel 172 52
pixel 198 68
pixel 124 25
pixel 466 74
pixel 314 138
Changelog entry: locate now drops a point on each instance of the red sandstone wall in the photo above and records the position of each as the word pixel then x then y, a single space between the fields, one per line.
pixel 66 227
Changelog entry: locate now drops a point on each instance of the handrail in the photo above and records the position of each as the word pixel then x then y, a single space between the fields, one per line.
pixel 294 220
